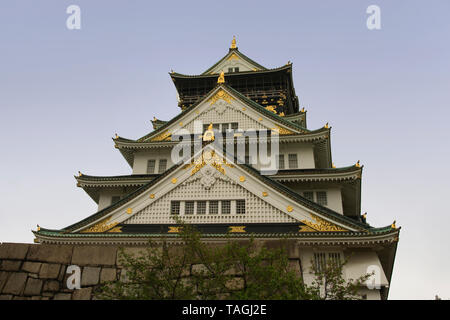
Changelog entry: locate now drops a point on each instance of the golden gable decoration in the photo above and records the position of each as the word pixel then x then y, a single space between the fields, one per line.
pixel 321 225
pixel 221 94
pixel 164 136
pixel 103 226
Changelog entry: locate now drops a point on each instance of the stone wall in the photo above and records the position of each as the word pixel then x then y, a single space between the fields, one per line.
pixel 39 272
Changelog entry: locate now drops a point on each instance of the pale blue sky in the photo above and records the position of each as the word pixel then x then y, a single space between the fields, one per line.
pixel 63 95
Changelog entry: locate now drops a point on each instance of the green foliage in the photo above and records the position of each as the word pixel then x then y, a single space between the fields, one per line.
pixel 190 269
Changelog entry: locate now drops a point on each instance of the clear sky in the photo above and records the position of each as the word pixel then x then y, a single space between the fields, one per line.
pixel 64 93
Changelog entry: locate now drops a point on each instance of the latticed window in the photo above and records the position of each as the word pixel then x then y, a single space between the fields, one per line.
pixel 320 261
pixel 226 206
pixel 335 258
pixel 280 161
pixel 201 207
pixel 214 207
pixel 189 207
pixel 309 195
pixel 293 163
pixel 162 165
pixel 175 207
pixel 240 206
pixel 321 198
pixel 151 166
pixel 115 199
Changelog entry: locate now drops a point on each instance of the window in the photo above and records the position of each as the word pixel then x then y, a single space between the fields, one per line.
pixel 321 197
pixel 240 206
pixel 293 164
pixel 280 161
pixel 234 125
pixel 335 258
pixel 214 207
pixel 162 165
pixel 115 199
pixel 322 259
pixel 189 207
pixel 151 166
pixel 175 207
pixel 236 69
pixel 230 69
pixel 226 206
pixel 201 207
pixel 309 195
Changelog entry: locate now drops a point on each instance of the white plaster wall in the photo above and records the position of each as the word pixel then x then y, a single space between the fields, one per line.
pixel 357 266
pixel 304 151
pixel 106 197
pixel 141 158
pixel 334 197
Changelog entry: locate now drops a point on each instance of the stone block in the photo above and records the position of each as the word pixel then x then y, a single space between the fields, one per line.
pixel 199 268
pixel 32 267
pixel 82 294
pixel 62 296
pixel 133 251
pixel 33 287
pixel 10 265
pixel 49 271
pixel 90 276
pixel 50 253
pixel 94 255
pixel 48 294
pixel 16 251
pixel 6 297
pixel 235 283
pixel 3 277
pixel 62 273
pixel 108 274
pixel 15 284
pixel 36 298
pixel 51 285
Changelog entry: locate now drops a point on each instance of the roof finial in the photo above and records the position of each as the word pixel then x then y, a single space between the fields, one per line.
pixel 357 164
pixel 393 225
pixel 116 136
pixel 79 173
pixel 221 78
pixel 233 43
pixel 303 109
pixel 326 125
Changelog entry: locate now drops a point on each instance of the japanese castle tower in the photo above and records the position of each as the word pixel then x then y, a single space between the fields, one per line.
pixel 227 193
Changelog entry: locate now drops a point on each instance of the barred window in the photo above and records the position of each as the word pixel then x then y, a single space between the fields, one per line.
pixel 320 261
pixel 240 206
pixel 321 198
pixel 115 199
pixel 214 207
pixel 162 165
pixel 151 166
pixel 226 206
pixel 189 207
pixel 201 207
pixel 175 207
pixel 309 195
pixel 335 258
pixel 234 125
pixel 293 163
pixel 280 161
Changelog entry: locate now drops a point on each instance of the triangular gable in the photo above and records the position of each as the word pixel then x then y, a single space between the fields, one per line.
pixel 234 59
pixel 228 105
pixel 210 159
